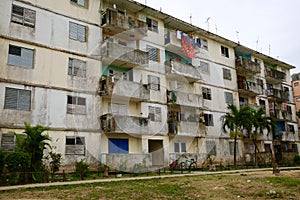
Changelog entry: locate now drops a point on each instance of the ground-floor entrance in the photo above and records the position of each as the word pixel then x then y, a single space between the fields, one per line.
pixel 157 151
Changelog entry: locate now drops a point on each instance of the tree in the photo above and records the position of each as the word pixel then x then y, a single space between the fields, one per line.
pixel 298 114
pixel 259 122
pixel 236 121
pixel 272 128
pixel 35 143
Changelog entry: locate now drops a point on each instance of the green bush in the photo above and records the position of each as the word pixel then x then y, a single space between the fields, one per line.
pixel 81 167
pixel 2 162
pixel 18 164
pixel 297 159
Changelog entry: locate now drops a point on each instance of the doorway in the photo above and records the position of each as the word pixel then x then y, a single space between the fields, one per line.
pixel 157 151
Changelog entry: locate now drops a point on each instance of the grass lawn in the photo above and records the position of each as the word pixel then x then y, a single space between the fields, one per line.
pixel 254 185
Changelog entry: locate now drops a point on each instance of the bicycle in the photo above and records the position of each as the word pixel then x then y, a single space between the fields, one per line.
pixel 189 164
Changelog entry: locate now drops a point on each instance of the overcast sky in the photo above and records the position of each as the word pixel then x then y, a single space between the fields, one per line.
pixel 275 24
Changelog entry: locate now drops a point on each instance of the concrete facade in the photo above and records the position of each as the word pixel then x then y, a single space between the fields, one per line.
pixel 122 84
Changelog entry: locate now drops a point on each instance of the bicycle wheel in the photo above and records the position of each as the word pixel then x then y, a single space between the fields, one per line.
pixel 182 165
pixel 193 166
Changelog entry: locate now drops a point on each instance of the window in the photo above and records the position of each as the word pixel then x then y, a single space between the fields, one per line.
pixel 77 68
pixel 79 2
pixel 179 147
pixel 116 108
pixel 224 51
pixel 76 105
pixel 291 128
pixel 226 74
pixel 298 99
pixel 152 25
pixel 19 56
pixel 211 148
pixel 118 146
pixel 154 82
pixel 77 32
pixel 23 16
pixel 17 99
pixel 155 113
pixel 228 97
pixel 204 67
pixel 201 43
pixel 8 142
pixel 75 145
pixel 231 148
pixel 153 53
pixel 296 84
pixel 208 118
pixel 206 93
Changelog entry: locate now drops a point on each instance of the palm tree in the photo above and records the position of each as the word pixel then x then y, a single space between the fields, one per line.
pixel 259 123
pixel 35 143
pixel 272 128
pixel 236 121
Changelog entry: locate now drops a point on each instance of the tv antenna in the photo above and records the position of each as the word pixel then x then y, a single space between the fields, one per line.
pixel 207 21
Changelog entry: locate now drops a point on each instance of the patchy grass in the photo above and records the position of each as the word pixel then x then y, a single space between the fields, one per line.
pixel 255 185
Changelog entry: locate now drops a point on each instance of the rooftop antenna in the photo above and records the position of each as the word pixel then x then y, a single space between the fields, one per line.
pixel 257 43
pixel 269 49
pixel 237 36
pixel 145 2
pixel 190 18
pixel 207 21
pixel 216 28
pixel 160 9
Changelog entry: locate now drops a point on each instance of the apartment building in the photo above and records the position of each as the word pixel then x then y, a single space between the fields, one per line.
pixel 296 92
pixel 50 72
pixel 123 84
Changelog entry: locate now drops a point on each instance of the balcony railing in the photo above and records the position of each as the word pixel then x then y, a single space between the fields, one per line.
pixel 187 128
pixel 122 88
pixel 279 94
pixel 185 99
pixel 247 66
pixel 188 71
pixel 274 76
pixel 119 162
pixel 116 123
pixel 123 56
pixel 249 88
pixel 114 22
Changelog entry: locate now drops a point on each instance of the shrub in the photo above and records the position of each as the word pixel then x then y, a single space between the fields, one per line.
pixel 81 168
pixel 297 159
pixel 2 162
pixel 17 161
pixel 18 164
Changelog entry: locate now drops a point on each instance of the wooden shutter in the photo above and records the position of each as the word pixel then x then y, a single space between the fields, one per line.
pixel 24 100
pixel 73 31
pixel 176 147
pixel 29 17
pixel 11 98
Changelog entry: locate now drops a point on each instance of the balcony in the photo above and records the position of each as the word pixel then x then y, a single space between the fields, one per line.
pixel 187 128
pixel 110 87
pixel 253 106
pixel 184 99
pixel 246 66
pixel 114 22
pixel 188 71
pixel 115 123
pixel 274 76
pixel 249 88
pixel 119 162
pixel 123 56
pixel 278 94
